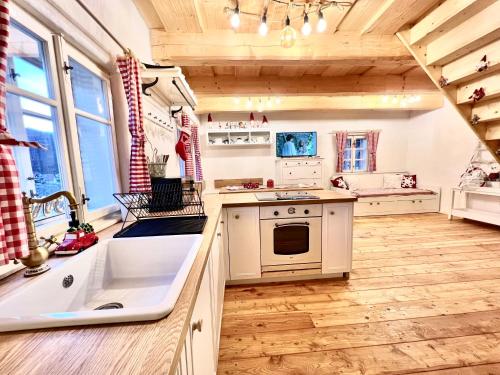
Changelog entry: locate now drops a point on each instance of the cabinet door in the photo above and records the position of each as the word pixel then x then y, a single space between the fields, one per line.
pixel 336 248
pixel 244 243
pixel 202 344
pixel 218 285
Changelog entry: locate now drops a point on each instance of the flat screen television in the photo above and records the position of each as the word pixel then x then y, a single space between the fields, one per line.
pixel 294 144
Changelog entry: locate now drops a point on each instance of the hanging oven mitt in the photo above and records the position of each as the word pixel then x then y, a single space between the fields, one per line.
pixel 181 146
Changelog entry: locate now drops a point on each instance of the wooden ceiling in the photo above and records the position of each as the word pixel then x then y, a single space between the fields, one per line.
pixel 358 54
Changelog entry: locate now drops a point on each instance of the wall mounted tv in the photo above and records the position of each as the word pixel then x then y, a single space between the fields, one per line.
pixel 296 144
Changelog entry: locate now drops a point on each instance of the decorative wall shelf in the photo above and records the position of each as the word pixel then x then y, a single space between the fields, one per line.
pixel 239 137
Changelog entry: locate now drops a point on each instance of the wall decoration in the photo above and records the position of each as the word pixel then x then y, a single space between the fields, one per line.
pixel 443 81
pixel 478 94
pixel 475 119
pixel 483 64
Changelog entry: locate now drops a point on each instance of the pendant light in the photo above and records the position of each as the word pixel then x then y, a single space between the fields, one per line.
pixel 306 27
pixel 288 35
pixel 263 25
pixel 235 18
pixel 321 26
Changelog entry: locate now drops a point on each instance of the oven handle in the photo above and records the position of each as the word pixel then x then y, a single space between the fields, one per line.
pixel 292 224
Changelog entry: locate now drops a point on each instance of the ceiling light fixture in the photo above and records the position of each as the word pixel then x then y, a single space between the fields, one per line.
pixel 288 35
pixel 321 26
pixel 306 27
pixel 263 25
pixel 249 103
pixel 235 18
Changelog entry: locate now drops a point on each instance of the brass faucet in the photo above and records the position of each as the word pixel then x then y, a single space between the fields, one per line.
pixel 35 261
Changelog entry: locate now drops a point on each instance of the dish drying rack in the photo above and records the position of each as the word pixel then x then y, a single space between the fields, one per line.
pixel 165 200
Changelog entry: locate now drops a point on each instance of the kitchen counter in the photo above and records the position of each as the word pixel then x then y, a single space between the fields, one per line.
pixel 128 348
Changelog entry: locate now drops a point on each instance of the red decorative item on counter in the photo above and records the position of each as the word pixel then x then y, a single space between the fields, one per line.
pixel 270 183
pixel 264 120
pixel 77 240
pixel 251 185
pixel 210 117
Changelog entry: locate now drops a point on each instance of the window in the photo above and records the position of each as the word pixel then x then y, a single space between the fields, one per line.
pixel 34 114
pixel 356 154
pixel 70 115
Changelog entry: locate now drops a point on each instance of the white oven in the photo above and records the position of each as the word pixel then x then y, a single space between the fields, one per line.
pixel 290 234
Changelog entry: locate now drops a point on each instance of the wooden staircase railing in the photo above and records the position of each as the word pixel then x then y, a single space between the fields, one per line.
pixel 458 46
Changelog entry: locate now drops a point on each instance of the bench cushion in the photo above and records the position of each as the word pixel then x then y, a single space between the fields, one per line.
pixel 364 193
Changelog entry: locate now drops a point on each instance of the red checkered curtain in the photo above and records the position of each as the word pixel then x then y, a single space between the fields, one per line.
pixel 372 138
pixel 139 178
pixel 188 165
pixel 13 235
pixel 341 139
pixel 197 152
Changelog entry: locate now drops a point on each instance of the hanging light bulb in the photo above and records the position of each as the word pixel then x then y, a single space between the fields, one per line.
pixel 321 26
pixel 263 25
pixel 260 106
pixel 277 100
pixel 236 100
pixel 385 98
pixel 235 18
pixel 249 103
pixel 306 27
pixel 288 35
pixel 394 99
pixel 269 102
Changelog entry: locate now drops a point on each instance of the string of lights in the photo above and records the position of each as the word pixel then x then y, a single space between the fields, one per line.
pixel 288 33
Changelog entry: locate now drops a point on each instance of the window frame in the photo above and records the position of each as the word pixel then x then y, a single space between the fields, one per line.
pixel 65 51
pixel 33 27
pixel 353 138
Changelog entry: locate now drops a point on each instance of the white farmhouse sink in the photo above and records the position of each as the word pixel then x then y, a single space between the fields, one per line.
pixel 145 275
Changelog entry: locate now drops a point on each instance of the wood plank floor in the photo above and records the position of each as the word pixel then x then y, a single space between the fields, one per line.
pixel 423 298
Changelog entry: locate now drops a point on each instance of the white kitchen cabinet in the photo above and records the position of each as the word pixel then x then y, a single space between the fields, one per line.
pixel 292 171
pixel 336 254
pixel 200 351
pixel 202 335
pixel 244 243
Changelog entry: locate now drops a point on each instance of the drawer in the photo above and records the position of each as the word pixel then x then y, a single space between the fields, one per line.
pixel 302 172
pixel 305 163
pixel 417 205
pixel 374 207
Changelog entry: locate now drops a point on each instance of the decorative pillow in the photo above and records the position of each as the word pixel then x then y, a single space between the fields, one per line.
pixel 409 181
pixel 392 181
pixel 340 183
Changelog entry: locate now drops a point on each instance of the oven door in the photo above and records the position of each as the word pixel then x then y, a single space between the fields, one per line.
pixel 290 241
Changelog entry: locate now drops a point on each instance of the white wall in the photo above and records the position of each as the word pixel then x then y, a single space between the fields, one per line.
pixel 229 162
pixel 440 147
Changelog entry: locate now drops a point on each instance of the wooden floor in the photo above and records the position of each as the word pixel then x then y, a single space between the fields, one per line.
pixel 423 298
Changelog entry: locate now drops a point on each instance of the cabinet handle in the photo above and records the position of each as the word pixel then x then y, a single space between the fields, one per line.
pixel 332 212
pixel 378 203
pixel 196 326
pixel 222 222
pixel 236 217
pixel 412 201
pixel 371 203
pixel 219 234
pixel 420 201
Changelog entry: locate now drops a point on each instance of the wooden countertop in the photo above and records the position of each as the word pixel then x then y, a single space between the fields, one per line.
pixel 124 348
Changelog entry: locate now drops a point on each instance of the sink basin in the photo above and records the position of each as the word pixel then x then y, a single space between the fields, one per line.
pixel 127 279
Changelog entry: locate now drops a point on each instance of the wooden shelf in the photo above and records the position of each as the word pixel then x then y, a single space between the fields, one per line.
pixel 248 134
pixel 478 215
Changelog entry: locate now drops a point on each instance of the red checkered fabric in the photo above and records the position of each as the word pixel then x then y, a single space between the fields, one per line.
pixel 188 165
pixel 197 153
pixel 139 178
pixel 13 235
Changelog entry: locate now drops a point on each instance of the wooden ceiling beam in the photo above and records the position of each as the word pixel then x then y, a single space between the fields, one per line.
pixel 428 101
pixel 225 47
pixel 180 16
pixel 310 85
